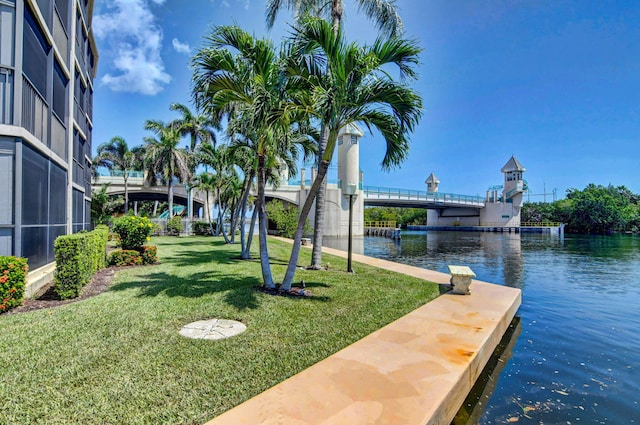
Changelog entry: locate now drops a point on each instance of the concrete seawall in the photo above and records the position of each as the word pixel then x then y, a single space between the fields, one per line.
pixel 414 371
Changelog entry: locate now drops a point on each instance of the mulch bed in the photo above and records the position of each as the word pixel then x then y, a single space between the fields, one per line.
pixel 47 298
pixel 295 291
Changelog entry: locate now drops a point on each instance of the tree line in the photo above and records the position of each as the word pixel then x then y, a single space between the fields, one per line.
pixel 402 216
pixel 596 209
pixel 274 105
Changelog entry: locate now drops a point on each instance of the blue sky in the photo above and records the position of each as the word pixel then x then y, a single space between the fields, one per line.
pixel 555 83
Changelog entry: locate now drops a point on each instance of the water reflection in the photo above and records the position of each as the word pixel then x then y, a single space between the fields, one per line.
pixel 473 406
pixel 434 250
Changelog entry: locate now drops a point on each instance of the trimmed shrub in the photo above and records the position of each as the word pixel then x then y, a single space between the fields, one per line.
pixel 202 228
pixel 286 219
pixel 13 271
pixel 174 226
pixel 125 257
pixel 149 254
pixel 156 229
pixel 99 247
pixel 133 230
pixel 78 257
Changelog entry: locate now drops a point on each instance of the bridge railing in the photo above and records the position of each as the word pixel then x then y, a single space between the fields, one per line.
pixel 372 192
pixel 383 224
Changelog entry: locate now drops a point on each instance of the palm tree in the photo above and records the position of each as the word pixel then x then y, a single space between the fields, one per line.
pixel 216 157
pixel 347 84
pixel 384 13
pixel 199 128
pixel 238 75
pixel 206 182
pixel 164 159
pixel 116 156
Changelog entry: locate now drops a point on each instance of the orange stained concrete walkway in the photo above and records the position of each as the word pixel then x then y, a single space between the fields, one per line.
pixel 414 371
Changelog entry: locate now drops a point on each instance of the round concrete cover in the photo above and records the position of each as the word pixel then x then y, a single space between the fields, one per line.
pixel 212 329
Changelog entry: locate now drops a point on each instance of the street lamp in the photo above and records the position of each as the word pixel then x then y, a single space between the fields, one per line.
pixel 350 190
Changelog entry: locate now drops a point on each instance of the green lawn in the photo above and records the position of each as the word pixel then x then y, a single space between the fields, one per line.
pixel 117 358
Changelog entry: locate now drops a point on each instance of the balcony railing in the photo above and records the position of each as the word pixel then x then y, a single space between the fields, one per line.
pixel 35 112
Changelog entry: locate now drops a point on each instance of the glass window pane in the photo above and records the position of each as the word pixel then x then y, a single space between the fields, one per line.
pixel 45 9
pixel 78 204
pixel 63 7
pixel 6 241
pixel 35 186
pixel 34 55
pixel 54 232
pixel 58 195
pixel 6 188
pixel 34 246
pixel 59 92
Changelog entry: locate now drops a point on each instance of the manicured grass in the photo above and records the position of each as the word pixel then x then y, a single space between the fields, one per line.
pixel 117 358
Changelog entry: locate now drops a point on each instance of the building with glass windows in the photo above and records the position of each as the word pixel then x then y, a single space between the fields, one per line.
pixel 48 59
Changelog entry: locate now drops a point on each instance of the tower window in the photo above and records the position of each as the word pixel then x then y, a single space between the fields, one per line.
pixel 354 139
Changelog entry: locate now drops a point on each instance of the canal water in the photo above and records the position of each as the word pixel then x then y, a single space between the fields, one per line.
pixel 575 356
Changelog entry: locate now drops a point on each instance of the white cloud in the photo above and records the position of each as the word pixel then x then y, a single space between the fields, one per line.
pixel 181 47
pixel 133 37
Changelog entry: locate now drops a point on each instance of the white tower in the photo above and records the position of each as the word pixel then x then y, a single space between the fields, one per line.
pixel 513 182
pixel 432 183
pixel 349 157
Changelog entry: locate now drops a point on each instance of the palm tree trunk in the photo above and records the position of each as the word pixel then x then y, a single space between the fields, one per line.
pixel 126 193
pixel 170 197
pixel 208 212
pixel 267 277
pixel 239 208
pixel 246 252
pixel 224 234
pixel 219 219
pixel 171 174
pixel 337 10
pixel 304 213
pixel 318 226
pixel 245 199
pixel 234 222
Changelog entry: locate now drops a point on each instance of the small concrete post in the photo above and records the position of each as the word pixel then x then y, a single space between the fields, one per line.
pixel 461 277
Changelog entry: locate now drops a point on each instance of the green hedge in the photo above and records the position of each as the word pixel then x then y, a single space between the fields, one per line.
pixel 78 257
pixel 174 226
pixel 13 272
pixel 202 228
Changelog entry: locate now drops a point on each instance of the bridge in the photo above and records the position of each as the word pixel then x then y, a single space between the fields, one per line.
pixel 138 191
pixel 405 198
pixel 385 197
pixel 498 209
